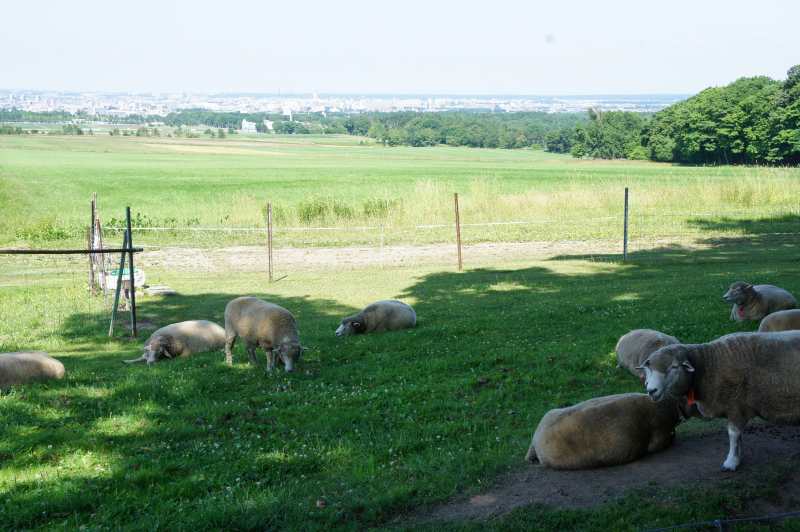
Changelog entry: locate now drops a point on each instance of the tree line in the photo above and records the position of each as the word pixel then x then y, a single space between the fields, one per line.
pixel 753 120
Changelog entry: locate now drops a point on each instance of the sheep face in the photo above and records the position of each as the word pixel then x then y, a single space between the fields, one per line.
pixel 156 348
pixel 738 293
pixel 351 326
pixel 290 354
pixel 667 372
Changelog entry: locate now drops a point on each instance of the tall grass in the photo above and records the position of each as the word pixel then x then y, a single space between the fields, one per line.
pixel 45 184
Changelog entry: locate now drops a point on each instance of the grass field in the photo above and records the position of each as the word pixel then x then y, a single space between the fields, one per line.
pixel 374 426
pixel 346 182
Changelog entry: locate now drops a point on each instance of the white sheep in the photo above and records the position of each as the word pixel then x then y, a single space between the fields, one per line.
pixel 386 315
pixel 604 431
pixel 27 366
pixel 753 302
pixel 634 347
pixel 783 320
pixel 265 325
pixel 182 339
pixel 738 376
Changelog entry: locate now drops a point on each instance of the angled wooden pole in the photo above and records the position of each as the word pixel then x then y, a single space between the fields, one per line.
pixel 119 284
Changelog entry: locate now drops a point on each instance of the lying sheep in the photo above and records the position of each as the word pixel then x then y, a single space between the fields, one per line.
pixel 386 315
pixel 265 325
pixel 634 347
pixel 738 376
pixel 181 340
pixel 604 431
pixel 753 302
pixel 783 320
pixel 27 366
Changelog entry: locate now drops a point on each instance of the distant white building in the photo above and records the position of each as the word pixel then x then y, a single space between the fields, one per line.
pixel 248 127
pixel 269 125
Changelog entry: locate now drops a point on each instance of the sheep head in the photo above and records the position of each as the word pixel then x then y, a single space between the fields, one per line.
pixel 290 353
pixel 158 347
pixel 668 372
pixel 351 325
pixel 738 293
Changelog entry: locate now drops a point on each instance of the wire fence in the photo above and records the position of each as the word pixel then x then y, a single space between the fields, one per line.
pixel 652 235
pixel 729 524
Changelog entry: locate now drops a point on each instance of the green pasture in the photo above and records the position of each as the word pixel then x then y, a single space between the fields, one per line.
pixel 375 426
pixel 350 183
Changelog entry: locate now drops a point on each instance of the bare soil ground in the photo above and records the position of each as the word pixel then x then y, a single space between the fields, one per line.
pixel 254 258
pixel 691 461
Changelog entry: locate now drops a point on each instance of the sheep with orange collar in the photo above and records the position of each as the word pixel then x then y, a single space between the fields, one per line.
pixel 738 376
pixel 753 302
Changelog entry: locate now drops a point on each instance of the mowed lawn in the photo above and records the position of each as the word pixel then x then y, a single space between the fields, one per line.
pixel 370 427
pixel 338 181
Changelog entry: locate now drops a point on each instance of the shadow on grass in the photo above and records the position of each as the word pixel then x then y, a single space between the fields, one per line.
pixel 431 410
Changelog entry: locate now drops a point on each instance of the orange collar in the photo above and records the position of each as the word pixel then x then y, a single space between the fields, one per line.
pixel 690 399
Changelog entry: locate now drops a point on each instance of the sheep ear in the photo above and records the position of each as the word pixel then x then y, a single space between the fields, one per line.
pixel 687 366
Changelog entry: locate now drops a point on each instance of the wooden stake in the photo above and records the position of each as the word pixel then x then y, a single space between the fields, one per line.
pixel 458 233
pixel 625 229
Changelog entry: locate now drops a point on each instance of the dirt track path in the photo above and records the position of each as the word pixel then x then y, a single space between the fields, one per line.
pixel 691 461
pixel 254 258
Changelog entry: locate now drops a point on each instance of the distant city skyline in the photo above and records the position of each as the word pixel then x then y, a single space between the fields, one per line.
pixel 357 47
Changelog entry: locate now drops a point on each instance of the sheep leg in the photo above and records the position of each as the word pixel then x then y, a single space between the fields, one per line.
pixel 735 449
pixel 230 341
pixel 251 352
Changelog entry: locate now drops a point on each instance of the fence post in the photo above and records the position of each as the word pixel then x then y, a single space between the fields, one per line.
pixel 269 240
pixel 458 232
pixel 90 243
pixel 625 229
pixel 130 265
pixel 118 284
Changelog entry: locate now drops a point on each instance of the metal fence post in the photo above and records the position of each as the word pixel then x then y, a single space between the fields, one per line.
pixel 625 229
pixel 130 265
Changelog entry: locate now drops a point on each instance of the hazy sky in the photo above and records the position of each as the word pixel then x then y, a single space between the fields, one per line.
pixel 408 46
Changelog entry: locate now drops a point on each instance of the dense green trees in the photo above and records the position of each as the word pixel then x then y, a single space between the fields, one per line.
pixel 750 121
pixel 610 135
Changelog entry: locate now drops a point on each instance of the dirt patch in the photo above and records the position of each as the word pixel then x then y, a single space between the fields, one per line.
pixel 254 258
pixel 691 461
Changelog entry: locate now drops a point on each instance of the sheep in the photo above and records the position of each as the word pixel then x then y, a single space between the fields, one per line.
pixel 604 431
pixel 753 302
pixel 386 315
pixel 738 376
pixel 783 320
pixel 265 325
pixel 634 347
pixel 182 339
pixel 26 366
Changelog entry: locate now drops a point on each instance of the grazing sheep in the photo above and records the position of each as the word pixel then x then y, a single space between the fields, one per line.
pixel 738 376
pixel 604 431
pixel 265 325
pixel 181 340
pixel 783 320
pixel 634 347
pixel 387 315
pixel 753 302
pixel 26 366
